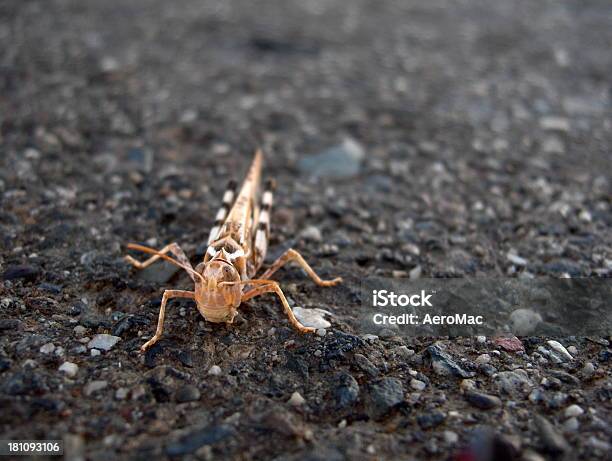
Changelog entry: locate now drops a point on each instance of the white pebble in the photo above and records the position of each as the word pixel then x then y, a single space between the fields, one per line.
pixel 481 339
pixel 571 425
pixel 404 351
pixel 79 330
pixel 369 337
pixel 215 370
pixel 417 385
pixel 450 437
pixel 573 411
pixel 321 332
pixel 94 386
pixel 483 358
pixel 312 234
pixel 558 347
pixel 312 317
pixel 69 368
pixel 47 348
pixel 553 123
pixel 296 400
pixel 588 369
pixel 95 352
pixel 516 259
pixel 103 341
pixel 572 350
pixel 121 393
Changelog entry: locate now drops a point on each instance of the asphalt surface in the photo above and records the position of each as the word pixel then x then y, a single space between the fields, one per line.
pixel 408 139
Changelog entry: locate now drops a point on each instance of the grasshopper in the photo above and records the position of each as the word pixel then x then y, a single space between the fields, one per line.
pixel 237 247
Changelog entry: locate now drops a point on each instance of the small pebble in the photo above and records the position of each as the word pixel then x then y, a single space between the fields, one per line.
pixel 94 386
pixel 573 411
pixel 558 347
pixel 103 341
pixel 481 339
pixel 312 234
pixel 47 348
pixel 588 370
pixel 95 352
pixel 321 332
pixel 296 400
pixel 121 393
pixel 404 352
pixel 571 425
pixel 80 330
pixel 483 358
pixel 599 444
pixel 482 401
pixel 516 259
pixel 215 370
pixel 572 350
pixel 187 393
pixel 450 437
pixel 69 368
pixel 417 385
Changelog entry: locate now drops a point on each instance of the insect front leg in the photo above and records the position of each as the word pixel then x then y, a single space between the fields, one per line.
pixel 168 294
pixel 173 248
pixel 292 255
pixel 270 286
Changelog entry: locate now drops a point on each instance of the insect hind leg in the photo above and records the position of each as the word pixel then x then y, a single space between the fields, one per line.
pixel 228 199
pixel 261 232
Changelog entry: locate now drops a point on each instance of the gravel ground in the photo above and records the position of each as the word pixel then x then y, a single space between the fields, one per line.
pixel 418 139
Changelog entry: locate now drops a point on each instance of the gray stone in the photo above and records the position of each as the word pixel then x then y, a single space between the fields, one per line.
pixel 524 322
pixel 103 342
pixel 159 273
pixel 431 419
pixel 552 440
pixel 347 391
pixel 443 363
pixel 362 362
pixel 341 161
pixel 515 383
pixel 94 386
pixel 47 348
pixel 384 395
pixel 588 369
pixel 482 401
pixel 199 437
pixel 571 425
pixel 187 393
